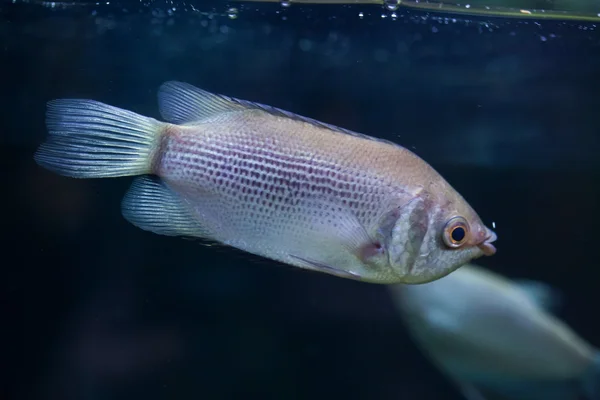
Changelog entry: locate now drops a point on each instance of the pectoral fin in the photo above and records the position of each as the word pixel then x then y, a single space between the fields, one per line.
pixel 319 267
pixel 333 240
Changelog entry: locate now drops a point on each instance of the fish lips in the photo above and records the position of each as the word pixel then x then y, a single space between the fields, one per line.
pixel 486 245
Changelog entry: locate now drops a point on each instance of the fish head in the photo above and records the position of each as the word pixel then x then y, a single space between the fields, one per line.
pixel 434 235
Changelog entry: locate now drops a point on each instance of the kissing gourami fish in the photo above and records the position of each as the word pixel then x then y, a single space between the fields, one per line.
pixel 271 183
pixel 495 338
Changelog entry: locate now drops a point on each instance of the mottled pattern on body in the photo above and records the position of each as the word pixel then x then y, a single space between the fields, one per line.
pixel 268 178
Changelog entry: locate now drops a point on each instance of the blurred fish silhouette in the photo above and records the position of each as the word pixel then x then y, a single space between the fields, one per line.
pixel 271 183
pixel 494 338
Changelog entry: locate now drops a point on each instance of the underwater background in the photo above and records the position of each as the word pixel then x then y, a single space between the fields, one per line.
pixel 506 110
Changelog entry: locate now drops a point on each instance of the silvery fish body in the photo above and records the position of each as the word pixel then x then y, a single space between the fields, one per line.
pixel 271 183
pixel 496 339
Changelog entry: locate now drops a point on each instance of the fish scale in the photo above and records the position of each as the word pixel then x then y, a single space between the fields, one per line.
pixel 263 179
pixel 272 183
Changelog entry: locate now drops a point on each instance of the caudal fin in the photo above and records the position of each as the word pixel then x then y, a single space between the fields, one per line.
pixel 591 380
pixel 89 139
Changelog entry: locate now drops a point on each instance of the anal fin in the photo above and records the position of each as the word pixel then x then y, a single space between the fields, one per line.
pixel 150 205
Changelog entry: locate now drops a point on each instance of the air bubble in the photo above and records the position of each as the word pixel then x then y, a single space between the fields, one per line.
pixel 232 13
pixel 286 3
pixel 392 5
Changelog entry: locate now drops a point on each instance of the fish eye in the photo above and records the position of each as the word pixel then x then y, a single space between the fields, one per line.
pixel 456 232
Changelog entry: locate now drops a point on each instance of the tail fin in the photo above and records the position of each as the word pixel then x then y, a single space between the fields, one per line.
pixel 89 139
pixel 591 380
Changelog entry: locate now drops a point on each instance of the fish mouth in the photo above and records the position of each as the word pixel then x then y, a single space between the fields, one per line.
pixel 486 245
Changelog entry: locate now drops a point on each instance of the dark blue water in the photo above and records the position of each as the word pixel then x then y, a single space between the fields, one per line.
pixel 96 309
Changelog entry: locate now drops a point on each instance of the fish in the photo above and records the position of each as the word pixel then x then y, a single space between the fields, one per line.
pixel 497 338
pixel 271 183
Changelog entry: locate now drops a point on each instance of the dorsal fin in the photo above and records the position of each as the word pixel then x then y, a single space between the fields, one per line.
pixel 541 294
pixel 182 103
